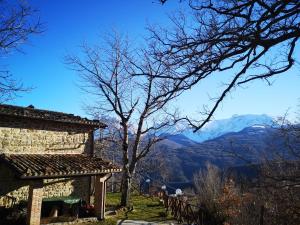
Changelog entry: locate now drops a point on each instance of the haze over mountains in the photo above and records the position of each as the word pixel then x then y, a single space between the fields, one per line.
pixel 217 128
pixel 226 143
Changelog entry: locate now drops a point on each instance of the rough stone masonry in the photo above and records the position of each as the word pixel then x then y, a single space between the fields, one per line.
pixel 33 136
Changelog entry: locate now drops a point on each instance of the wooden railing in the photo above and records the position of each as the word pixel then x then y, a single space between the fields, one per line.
pixel 183 211
pixel 181 208
pixel 178 206
pixel 187 213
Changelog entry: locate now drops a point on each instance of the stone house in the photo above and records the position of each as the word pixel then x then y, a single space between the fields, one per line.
pixel 47 154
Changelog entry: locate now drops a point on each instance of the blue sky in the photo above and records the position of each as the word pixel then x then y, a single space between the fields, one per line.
pixel 69 23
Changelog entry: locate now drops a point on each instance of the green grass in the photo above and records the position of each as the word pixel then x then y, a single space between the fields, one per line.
pixel 108 221
pixel 144 208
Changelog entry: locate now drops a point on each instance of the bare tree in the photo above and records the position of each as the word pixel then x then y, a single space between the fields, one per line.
pixel 276 186
pixel 17 24
pixel 250 39
pixel 140 104
pixel 279 183
pixel 208 183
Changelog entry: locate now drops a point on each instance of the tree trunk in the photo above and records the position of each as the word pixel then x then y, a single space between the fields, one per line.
pixel 126 188
pixel 126 178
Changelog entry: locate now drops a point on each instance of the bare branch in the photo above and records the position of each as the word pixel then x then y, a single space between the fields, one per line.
pixel 228 36
pixel 17 24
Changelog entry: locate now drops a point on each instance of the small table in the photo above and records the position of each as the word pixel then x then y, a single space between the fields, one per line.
pixel 67 205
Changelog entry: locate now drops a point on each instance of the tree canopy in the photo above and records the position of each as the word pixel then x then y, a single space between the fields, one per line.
pixel 17 23
pixel 250 39
pixel 120 78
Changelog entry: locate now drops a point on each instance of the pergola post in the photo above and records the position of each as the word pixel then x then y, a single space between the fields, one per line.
pixel 100 195
pixel 35 202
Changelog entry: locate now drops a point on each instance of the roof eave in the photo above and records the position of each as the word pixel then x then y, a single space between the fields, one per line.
pixel 95 125
pixel 67 175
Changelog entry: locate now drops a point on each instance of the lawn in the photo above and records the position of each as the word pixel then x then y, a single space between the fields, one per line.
pixel 144 208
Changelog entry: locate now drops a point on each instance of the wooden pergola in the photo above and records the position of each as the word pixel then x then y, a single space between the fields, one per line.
pixel 37 167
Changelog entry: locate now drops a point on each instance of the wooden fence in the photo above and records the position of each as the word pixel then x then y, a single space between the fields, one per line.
pixel 178 206
pixel 183 211
pixel 187 213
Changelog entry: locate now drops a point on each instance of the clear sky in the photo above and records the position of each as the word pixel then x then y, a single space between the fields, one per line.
pixel 69 23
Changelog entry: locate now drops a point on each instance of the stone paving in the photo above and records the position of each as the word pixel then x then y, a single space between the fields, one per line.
pixel 141 222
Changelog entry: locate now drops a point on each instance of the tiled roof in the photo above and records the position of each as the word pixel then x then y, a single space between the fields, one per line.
pixel 31 112
pixel 33 166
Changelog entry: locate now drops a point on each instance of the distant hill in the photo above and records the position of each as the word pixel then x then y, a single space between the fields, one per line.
pixel 217 128
pixel 184 157
pixel 227 143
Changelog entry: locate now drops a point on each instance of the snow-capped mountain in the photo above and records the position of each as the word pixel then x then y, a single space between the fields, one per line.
pixel 183 157
pixel 236 123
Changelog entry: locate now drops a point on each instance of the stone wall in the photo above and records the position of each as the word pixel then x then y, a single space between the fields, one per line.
pixel 27 136
pixel 34 136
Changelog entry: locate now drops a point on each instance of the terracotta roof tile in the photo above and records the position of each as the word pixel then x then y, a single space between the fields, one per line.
pixel 32 166
pixel 31 112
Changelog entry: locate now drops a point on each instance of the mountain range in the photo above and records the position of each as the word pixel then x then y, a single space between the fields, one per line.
pixel 227 143
pixel 217 128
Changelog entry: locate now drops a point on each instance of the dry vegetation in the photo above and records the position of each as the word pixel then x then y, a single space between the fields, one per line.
pixel 268 201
